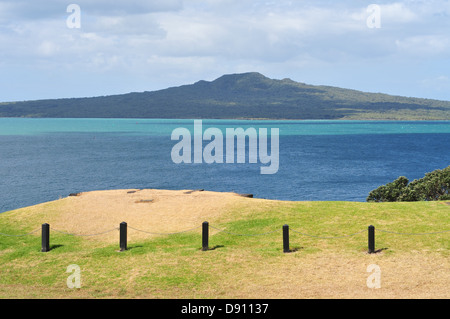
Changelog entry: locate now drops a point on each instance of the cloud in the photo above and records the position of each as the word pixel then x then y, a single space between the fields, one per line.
pixel 266 34
pixel 48 48
pixel 49 9
pixel 254 30
pixel 398 13
pixel 428 46
pixel 184 41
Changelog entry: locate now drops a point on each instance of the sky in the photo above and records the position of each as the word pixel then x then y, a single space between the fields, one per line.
pixel 52 49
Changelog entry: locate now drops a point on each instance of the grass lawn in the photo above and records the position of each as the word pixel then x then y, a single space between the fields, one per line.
pixel 329 256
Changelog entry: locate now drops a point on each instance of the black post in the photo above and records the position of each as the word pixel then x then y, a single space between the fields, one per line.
pixel 286 239
pixel 45 237
pixel 205 234
pixel 371 239
pixel 123 236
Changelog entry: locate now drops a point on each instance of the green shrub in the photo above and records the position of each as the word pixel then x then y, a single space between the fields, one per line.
pixel 433 186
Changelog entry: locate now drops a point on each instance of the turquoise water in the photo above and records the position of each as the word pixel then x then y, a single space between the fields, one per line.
pixel 45 159
pixel 159 127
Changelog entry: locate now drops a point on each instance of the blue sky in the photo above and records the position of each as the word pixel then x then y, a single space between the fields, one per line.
pixel 134 46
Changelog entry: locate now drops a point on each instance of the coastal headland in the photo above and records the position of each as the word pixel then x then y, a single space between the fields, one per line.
pixel 328 255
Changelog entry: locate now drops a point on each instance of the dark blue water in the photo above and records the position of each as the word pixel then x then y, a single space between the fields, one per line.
pixel 35 168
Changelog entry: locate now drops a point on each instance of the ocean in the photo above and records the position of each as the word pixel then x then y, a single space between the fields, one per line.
pixel 46 159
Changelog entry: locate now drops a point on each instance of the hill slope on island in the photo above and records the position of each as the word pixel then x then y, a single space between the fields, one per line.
pixel 238 96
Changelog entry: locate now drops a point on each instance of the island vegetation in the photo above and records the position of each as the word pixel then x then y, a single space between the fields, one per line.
pixel 238 96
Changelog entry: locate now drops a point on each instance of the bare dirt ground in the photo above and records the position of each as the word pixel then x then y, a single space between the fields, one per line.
pixel 149 210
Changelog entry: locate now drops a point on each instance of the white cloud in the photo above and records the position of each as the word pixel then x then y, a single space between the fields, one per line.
pixel 395 13
pixel 427 46
pixel 48 48
pixel 31 9
pixel 198 39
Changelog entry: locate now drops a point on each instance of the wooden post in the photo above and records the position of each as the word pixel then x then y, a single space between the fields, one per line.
pixel 205 235
pixel 45 237
pixel 123 236
pixel 371 239
pixel 286 239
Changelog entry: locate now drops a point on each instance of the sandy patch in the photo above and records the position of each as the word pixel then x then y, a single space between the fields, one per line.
pixel 145 211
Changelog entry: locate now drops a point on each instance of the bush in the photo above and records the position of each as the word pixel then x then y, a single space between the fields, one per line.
pixel 433 186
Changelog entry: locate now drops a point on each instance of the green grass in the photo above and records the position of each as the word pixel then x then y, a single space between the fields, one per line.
pixel 173 266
